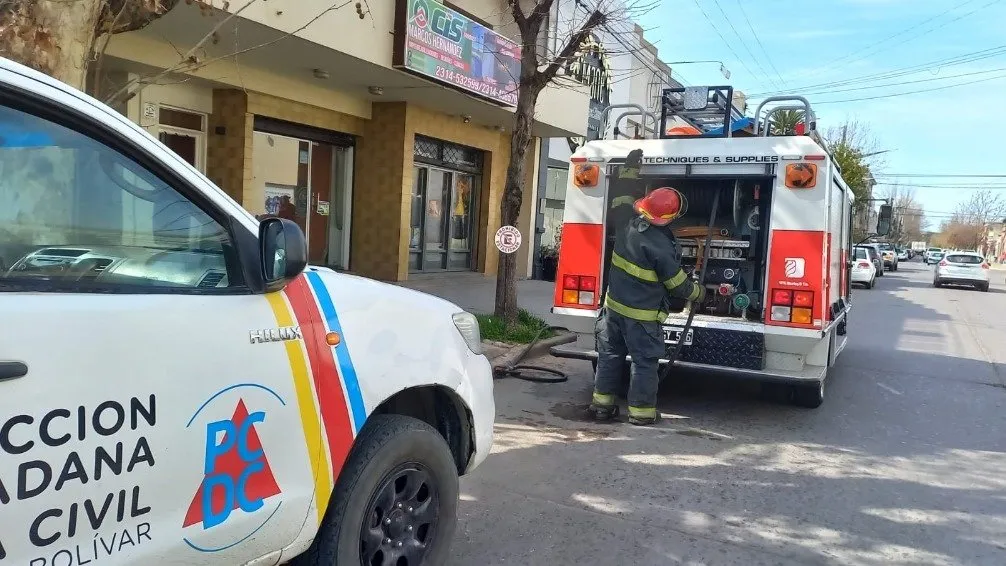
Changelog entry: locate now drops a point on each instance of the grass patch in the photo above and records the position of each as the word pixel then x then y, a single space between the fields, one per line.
pixel 523 332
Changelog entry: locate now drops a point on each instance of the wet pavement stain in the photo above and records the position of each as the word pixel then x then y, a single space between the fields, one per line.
pixel 576 412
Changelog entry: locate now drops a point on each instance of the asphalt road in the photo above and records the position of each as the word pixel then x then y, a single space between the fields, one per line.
pixel 905 463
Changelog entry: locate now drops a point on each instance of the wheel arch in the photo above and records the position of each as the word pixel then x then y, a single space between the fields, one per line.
pixel 443 409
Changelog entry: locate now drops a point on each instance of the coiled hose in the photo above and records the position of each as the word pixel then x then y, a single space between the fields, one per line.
pixel 525 372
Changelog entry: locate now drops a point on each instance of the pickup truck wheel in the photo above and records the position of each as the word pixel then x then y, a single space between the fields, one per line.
pixel 396 500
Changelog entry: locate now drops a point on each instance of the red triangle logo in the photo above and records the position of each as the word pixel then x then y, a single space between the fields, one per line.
pixel 256 485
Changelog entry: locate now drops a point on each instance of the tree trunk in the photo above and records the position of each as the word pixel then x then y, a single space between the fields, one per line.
pixel 55 37
pixel 520 141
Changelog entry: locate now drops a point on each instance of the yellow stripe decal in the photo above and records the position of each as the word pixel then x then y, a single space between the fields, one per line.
pixel 306 403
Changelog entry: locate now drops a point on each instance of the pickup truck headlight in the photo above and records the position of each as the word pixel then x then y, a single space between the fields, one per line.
pixel 468 326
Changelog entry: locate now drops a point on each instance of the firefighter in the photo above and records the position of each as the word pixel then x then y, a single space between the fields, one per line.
pixel 645 273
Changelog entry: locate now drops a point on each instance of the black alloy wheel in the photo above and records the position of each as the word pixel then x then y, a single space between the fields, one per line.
pixel 401 518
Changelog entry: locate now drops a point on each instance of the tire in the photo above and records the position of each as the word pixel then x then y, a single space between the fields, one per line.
pixel 936 283
pixel 809 396
pixel 389 446
pixel 872 283
pixel 894 267
pixel 984 287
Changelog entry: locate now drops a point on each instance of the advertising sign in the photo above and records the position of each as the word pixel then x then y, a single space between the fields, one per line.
pixel 437 42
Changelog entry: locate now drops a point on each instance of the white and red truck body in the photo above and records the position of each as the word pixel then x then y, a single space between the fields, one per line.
pixel 802 270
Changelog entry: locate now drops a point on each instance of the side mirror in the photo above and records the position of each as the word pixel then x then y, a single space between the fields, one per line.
pixel 284 252
pixel 884 220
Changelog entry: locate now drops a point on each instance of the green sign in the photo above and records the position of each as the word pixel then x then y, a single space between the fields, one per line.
pixel 442 44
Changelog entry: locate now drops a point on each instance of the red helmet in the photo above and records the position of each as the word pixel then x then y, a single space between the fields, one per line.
pixel 661 206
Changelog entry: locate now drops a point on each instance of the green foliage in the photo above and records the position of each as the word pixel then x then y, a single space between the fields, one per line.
pixel 855 170
pixel 527 328
pixel 784 122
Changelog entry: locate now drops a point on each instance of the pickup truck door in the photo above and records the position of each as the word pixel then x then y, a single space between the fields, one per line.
pixel 149 409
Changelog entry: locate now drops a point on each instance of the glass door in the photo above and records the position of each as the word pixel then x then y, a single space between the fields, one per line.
pixel 435 220
pixel 460 241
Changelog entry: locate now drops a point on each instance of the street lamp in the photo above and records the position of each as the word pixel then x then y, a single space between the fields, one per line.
pixel 723 68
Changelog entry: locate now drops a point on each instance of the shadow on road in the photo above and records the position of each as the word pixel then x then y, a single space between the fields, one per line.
pixel 889 471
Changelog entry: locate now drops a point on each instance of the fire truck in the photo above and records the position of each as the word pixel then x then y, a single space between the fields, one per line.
pixel 768 231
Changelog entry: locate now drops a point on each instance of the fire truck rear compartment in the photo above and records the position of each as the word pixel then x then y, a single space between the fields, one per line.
pixel 735 274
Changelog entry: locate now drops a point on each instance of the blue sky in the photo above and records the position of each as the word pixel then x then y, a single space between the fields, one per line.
pixel 814 42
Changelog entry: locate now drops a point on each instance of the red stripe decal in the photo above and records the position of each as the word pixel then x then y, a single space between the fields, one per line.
pixel 327 384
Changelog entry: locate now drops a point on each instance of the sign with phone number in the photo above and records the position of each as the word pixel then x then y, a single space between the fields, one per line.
pixel 440 43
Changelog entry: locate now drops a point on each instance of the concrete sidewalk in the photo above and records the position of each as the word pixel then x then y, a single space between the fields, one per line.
pixel 476 293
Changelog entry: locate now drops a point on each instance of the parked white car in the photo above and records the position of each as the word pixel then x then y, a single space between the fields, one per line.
pixel 864 272
pixel 962 268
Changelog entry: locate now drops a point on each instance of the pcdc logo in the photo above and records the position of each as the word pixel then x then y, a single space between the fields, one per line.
pixel 237 478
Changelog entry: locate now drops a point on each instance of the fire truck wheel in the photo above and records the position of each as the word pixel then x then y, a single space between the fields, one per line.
pixel 809 396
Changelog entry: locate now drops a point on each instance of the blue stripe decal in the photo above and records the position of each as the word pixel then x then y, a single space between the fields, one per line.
pixel 346 368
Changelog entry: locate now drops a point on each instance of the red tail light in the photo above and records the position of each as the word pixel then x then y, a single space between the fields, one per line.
pixel 864 265
pixel 578 289
pixel 943 263
pixel 792 306
pixel 985 266
pixel 782 297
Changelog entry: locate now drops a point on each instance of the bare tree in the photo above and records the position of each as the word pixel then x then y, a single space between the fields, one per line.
pixel 908 218
pixel 967 227
pixel 58 37
pixel 539 68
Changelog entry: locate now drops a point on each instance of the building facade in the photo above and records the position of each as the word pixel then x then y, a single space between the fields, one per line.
pixel 619 66
pixel 385 134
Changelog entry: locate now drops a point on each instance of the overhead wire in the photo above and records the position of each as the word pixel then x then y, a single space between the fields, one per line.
pixel 744 44
pixel 768 57
pixel 926 32
pixel 725 42
pixel 896 94
pixel 964 58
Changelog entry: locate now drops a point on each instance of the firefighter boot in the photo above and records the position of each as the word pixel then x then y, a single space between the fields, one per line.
pixel 602 407
pixel 643 416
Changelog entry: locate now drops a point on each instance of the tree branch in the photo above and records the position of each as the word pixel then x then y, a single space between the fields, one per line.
pixel 572 45
pixel 187 58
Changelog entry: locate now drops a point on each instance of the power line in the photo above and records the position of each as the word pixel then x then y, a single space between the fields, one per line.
pixel 896 94
pixel 725 42
pixel 961 59
pixel 999 69
pixel 744 44
pixel 943 25
pixel 768 57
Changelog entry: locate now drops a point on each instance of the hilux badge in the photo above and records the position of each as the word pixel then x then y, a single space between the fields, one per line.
pixel 281 334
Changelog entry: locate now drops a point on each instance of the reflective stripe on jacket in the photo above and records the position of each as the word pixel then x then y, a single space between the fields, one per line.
pixel 645 269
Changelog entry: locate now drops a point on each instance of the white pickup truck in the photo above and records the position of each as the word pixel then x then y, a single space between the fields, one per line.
pixel 177 387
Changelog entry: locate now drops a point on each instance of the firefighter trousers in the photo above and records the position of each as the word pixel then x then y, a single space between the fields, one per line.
pixel 617 336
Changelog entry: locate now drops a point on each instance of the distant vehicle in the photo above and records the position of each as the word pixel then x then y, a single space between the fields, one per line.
pixel 918 247
pixel 962 268
pixel 903 255
pixel 934 257
pixel 929 252
pixel 875 257
pixel 864 267
pixel 889 254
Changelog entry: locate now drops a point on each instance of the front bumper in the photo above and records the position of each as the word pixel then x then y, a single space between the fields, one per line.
pixel 477 391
